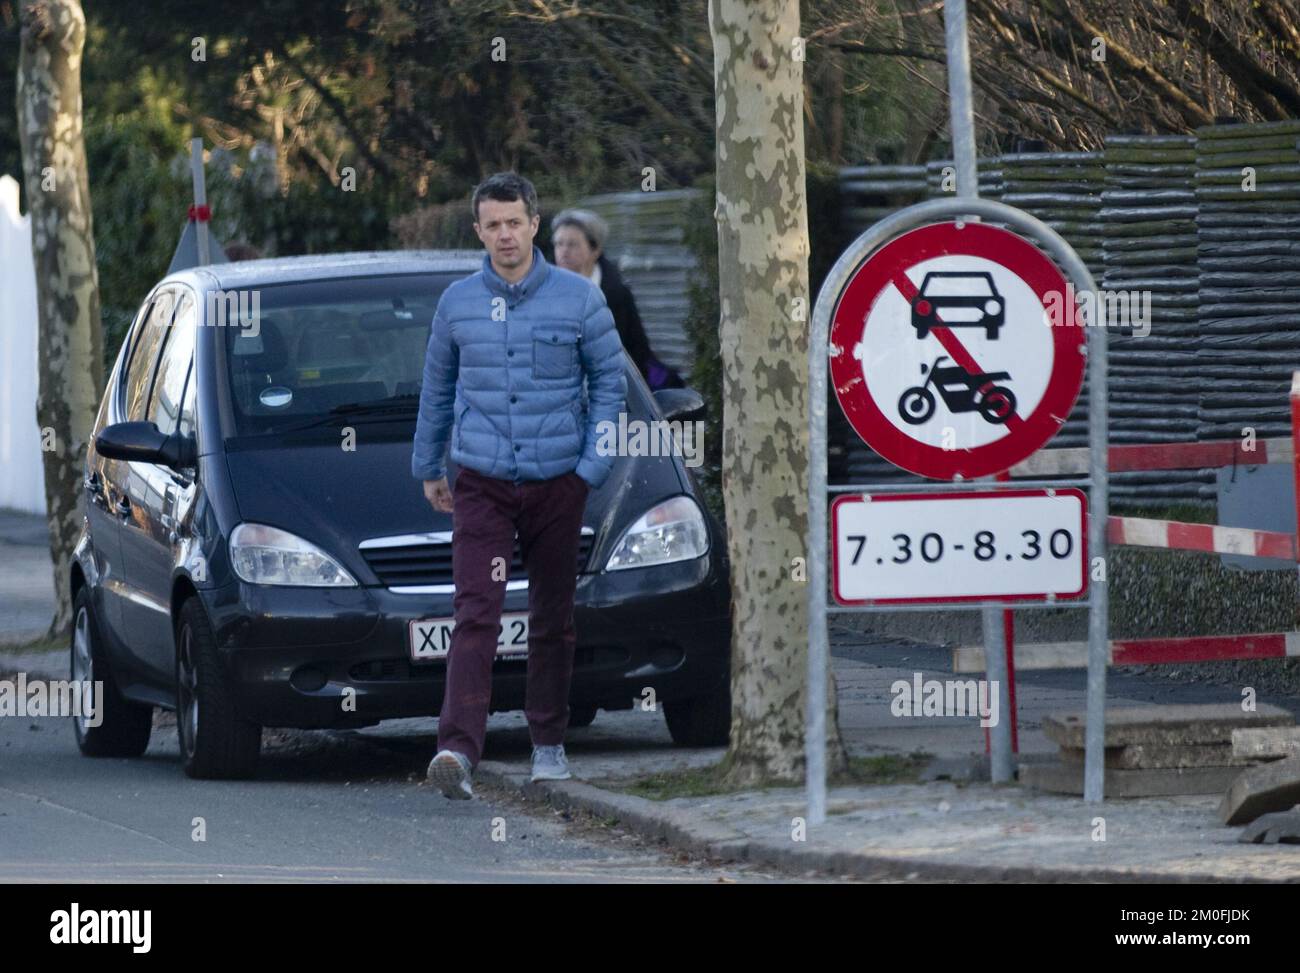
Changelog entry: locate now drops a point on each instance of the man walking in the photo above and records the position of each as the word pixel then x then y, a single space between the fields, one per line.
pixel 508 353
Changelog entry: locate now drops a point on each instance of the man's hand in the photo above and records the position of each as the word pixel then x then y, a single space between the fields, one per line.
pixel 439 494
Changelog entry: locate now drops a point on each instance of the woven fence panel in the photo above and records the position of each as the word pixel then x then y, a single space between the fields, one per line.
pixel 1149 253
pixel 1248 230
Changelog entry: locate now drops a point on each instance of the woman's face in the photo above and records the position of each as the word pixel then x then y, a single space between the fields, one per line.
pixel 573 252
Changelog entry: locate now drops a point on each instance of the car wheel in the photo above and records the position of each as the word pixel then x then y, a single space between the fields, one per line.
pixel 581 715
pixel 124 726
pixel 217 742
pixel 701 721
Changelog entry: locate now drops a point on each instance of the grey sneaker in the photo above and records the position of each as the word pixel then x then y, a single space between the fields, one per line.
pixel 549 763
pixel 450 771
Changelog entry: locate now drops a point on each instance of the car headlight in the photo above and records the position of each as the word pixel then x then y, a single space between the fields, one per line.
pixel 670 531
pixel 268 555
pixel 992 306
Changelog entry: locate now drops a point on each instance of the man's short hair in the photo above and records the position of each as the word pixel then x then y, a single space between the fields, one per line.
pixel 506 187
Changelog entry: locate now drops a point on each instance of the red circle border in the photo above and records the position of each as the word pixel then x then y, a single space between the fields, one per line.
pixel 858 298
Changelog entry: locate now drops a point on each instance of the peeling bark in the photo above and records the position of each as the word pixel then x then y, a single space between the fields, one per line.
pixel 765 311
pixel 71 342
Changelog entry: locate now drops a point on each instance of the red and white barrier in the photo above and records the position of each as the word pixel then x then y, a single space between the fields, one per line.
pixel 1207 538
pixel 1161 456
pixel 1138 652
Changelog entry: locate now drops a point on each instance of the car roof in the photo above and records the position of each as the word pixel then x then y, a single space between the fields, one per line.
pixel 328 266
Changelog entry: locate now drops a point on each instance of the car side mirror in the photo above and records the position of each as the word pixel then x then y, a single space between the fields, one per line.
pixel 143 442
pixel 686 404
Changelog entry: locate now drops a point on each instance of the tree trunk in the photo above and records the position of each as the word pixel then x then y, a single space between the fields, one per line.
pixel 71 343
pixel 765 311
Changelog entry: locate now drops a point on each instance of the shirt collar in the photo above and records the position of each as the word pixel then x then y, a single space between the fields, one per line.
pixel 514 293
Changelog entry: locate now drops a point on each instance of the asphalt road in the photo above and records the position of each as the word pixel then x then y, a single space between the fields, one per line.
pixel 326 807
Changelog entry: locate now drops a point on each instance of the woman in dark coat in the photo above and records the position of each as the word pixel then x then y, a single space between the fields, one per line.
pixel 578 237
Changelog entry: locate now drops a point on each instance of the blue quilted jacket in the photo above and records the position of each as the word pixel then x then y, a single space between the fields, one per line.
pixel 504 374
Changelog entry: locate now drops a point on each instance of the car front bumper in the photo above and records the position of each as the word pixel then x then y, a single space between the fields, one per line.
pixel 322 657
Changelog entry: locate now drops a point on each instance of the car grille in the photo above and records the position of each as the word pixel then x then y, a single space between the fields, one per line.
pixel 424 560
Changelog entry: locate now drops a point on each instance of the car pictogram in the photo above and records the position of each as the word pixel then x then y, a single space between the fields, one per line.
pixel 958 299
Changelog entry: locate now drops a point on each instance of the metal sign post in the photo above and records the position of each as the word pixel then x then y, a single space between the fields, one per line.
pixel 873 239
pixel 966 160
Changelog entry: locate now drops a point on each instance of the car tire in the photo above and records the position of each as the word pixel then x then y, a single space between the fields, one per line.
pixel 701 721
pixel 217 742
pixel 125 726
pixel 580 716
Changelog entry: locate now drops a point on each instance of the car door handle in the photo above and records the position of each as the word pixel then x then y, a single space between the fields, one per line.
pixel 95 487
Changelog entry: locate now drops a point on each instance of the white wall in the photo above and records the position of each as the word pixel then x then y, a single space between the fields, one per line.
pixel 22 483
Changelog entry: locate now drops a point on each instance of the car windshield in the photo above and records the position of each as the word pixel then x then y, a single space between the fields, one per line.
pixel 958 285
pixel 304 359
pixel 302 352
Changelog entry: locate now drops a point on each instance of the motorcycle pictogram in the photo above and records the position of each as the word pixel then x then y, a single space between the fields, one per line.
pixel 959 390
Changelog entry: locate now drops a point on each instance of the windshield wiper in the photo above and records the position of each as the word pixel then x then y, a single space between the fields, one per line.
pixel 376 408
pixel 394 403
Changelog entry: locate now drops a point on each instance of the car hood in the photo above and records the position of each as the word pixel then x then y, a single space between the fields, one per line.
pixel 336 499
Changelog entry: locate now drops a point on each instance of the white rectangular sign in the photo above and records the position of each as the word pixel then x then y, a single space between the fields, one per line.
pixel 928 547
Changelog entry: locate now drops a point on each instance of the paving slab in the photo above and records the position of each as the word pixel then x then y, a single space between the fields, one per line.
pixel 1168 725
pixel 1156 756
pixel 1067 778
pixel 1272 743
pixel 1258 790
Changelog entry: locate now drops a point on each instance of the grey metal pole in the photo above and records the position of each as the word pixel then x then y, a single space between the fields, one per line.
pixel 965 158
pixel 818 641
pixel 200 199
pixel 1099 593
pixel 961 108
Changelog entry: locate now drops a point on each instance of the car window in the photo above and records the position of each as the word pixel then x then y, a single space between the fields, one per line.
pixel 151 335
pixel 173 367
pixel 961 285
pixel 319 345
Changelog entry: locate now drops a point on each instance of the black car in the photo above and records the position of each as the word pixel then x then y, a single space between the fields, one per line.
pixel 958 299
pixel 256 553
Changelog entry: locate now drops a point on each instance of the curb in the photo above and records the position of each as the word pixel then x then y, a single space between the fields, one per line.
pixel 681 830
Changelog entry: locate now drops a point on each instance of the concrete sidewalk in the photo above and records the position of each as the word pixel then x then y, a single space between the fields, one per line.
pixel 945 830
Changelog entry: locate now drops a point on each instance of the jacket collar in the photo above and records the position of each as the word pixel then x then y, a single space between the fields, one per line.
pixel 514 293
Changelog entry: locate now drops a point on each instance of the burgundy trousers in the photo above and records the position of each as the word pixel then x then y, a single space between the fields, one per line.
pixel 486 513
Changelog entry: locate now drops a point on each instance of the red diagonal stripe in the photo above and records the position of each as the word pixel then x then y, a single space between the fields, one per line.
pixel 955 349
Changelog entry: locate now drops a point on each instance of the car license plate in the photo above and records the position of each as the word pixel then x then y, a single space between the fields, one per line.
pixel 431 637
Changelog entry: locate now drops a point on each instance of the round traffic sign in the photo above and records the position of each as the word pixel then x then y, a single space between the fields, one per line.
pixel 957 350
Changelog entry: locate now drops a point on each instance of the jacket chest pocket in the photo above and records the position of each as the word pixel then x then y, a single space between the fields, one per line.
pixel 555 354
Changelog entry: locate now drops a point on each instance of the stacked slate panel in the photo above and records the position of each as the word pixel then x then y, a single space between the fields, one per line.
pixel 870 193
pixel 1249 254
pixel 1149 212
pixel 940 178
pixel 1063 189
